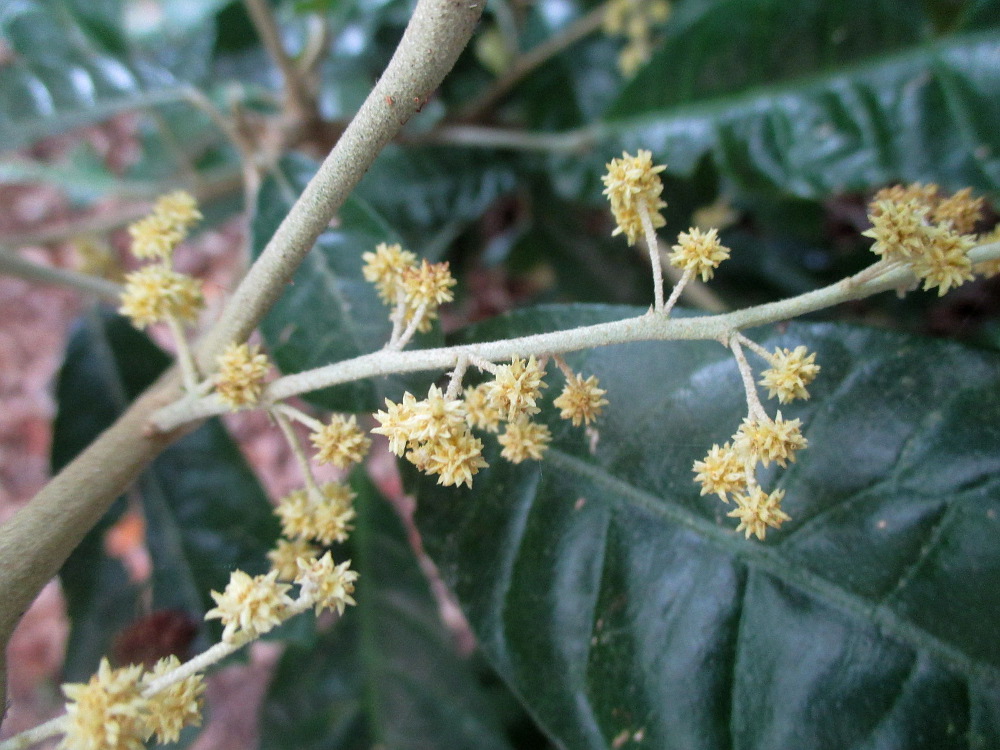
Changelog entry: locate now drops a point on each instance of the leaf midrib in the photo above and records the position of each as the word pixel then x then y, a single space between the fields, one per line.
pixel 769 560
pixel 819 80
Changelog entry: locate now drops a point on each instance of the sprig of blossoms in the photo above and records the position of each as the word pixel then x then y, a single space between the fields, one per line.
pixel 729 470
pixel 415 290
pixel 433 435
pixel 633 187
pixel 918 226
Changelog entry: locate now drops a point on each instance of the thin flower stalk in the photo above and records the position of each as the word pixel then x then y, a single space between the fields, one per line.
pixel 754 405
pixel 640 328
pixel 653 246
pixel 308 478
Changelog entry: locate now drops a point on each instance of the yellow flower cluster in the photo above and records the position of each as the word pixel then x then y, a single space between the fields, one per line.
pixel 927 231
pixel 422 288
pixel 340 442
pixel 250 606
pixel 581 401
pixel 174 707
pixel 524 439
pixel 285 556
pixel 110 713
pixel 479 411
pixel 633 187
pixel 730 470
pixel 156 292
pixel 329 586
pixel 325 520
pixel 634 19
pixel 516 388
pixel 699 252
pixel 434 436
pixel 239 380
pixel 757 510
pixel 790 372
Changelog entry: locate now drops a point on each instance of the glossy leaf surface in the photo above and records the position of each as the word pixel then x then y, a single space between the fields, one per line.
pixel 386 674
pixel 329 312
pixel 815 97
pixel 205 513
pixel 626 612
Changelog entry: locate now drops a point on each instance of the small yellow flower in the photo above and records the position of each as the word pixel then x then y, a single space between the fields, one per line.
pixel 767 440
pixel 523 440
pixel 425 288
pixel 385 267
pixel 960 211
pixel 516 388
pixel 900 230
pixel 250 607
pixel 699 252
pixel 329 585
pixel 179 209
pixel 340 442
pixel 325 521
pixel 285 556
pixel 154 237
pixel 758 510
pixel 789 374
pixel 437 418
pixel 581 401
pixel 106 713
pixel 174 707
pixel 240 379
pixel 633 187
pixel 455 459
pixel 479 413
pixel 946 263
pixel 154 293
pixel 397 423
pixel 723 470
pixel 926 231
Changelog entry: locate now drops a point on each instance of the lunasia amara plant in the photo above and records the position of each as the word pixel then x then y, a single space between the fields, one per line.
pixel 920 235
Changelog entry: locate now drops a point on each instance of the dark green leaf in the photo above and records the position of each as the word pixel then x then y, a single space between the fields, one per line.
pixel 815 97
pixel 626 612
pixel 329 312
pixel 387 673
pixel 432 193
pixel 205 512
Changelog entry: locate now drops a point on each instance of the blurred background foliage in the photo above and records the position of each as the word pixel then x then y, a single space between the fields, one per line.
pixel 777 119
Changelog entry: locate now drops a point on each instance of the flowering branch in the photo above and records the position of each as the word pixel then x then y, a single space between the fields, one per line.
pixel 36 541
pixel 641 328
